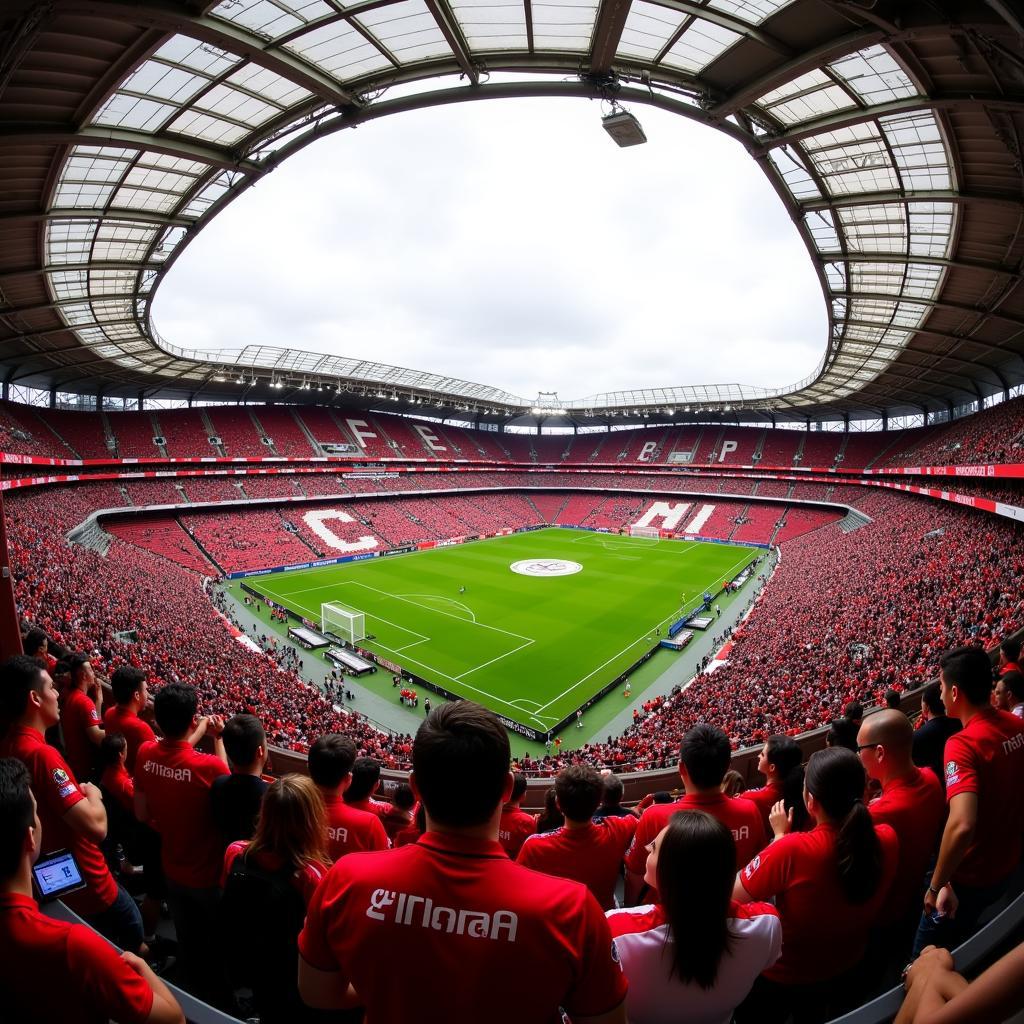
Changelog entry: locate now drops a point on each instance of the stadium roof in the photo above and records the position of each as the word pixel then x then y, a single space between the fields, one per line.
pixel 891 133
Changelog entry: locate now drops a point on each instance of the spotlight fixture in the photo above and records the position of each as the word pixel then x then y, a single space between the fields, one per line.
pixel 623 127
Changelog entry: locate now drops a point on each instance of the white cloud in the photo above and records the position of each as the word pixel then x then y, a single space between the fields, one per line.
pixel 511 243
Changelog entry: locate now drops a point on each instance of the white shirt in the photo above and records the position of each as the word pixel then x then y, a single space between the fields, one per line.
pixel 639 939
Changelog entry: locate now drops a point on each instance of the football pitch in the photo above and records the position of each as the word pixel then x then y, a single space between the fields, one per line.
pixel 533 644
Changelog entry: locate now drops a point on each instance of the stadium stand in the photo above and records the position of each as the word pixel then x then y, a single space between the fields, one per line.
pixel 185 432
pixel 780 447
pixel 215 488
pixel 237 431
pixel 134 433
pixel 152 492
pixel 82 432
pixel 165 537
pixel 821 448
pixel 285 433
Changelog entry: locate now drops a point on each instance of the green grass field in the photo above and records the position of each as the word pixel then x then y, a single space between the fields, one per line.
pixel 533 648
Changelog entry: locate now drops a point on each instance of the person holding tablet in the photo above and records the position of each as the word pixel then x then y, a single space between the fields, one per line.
pixel 52 970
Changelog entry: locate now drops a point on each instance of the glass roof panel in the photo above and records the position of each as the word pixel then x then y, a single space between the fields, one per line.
pixel 339 50
pixel 699 45
pixel 87 163
pixel 563 26
pixel 931 228
pixel 198 125
pixel 919 150
pixel 492 24
pixel 125 111
pixel 794 174
pixel 197 56
pixel 648 29
pixel 407 29
pixel 123 240
pixel 81 195
pixel 271 18
pixel 69 241
pixel 874 75
pixel 272 87
pixel 752 11
pixel 163 81
pixel 862 166
pixel 875 228
pixel 809 96
pixel 823 230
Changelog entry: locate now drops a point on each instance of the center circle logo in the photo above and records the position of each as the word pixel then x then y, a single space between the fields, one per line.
pixel 545 567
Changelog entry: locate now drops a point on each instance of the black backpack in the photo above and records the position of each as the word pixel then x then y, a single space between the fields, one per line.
pixel 262 913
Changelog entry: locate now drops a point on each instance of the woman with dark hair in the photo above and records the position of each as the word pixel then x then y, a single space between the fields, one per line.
pixel 692 956
pixel 779 761
pixel 828 884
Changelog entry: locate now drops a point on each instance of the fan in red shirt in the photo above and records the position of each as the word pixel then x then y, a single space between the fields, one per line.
pixel 50 970
pixel 130 695
pixel 515 824
pixel 1009 656
pixel 584 850
pixel 454 911
pixel 365 780
pixel 912 803
pixel 72 814
pixel 80 719
pixel 829 886
pixel 981 842
pixel 172 793
pixel 779 757
pixel 704 757
pixel 349 830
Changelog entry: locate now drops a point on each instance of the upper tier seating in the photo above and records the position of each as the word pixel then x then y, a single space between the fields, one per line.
pixel 134 432
pixel 235 427
pixel 185 433
pixel 284 431
pixel 82 432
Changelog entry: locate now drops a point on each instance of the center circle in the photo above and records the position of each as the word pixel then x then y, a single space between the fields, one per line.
pixel 545 567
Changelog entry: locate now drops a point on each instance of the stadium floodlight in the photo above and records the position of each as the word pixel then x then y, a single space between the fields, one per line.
pixel 623 127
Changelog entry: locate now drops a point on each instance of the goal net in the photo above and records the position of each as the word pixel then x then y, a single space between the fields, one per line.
pixel 344 623
pixel 652 532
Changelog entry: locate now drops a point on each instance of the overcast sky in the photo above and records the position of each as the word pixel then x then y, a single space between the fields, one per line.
pixel 512 243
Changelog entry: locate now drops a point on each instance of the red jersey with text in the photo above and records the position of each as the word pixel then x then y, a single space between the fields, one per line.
pixel 514 827
pixel 916 809
pixel 56 792
pixel 131 727
pixel 350 830
pixel 987 758
pixel 741 817
pixel 823 933
pixel 591 854
pixel 643 942
pixel 77 717
pixel 175 780
pixel 765 799
pixel 53 971
pixel 457 914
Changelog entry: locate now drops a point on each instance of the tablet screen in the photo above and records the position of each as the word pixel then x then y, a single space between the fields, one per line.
pixel 57 874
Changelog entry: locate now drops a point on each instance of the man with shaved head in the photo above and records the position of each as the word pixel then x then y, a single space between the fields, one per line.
pixel 912 803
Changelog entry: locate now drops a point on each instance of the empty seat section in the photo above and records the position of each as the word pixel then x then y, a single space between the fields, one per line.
pixel 391 522
pixel 682 443
pixel 594 447
pixel 578 508
pixel 210 488
pixel 320 483
pixel 616 511
pixel 185 433
pixel 237 431
pixel 863 449
pixel 551 447
pixel 713 519
pixel 518 445
pixel 164 537
pixel 773 488
pixel 746 440
pixel 636 445
pixel 322 425
pixel 760 524
pixel 270 486
pixel 548 505
pixel 134 432
pixel 82 431
pixel 821 448
pixel 284 432
pixel 803 520
pixel 780 447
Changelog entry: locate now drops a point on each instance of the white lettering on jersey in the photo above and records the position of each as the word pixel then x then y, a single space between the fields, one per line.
pixel 167 772
pixel 338 834
pixel 1013 743
pixel 477 924
pixel 743 832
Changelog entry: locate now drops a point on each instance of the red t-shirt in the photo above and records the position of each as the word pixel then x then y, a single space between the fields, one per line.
pixel 408 835
pixel 916 809
pixel 350 830
pixel 823 934
pixel 591 854
pixel 56 792
pixel 987 758
pixel 741 817
pixel 77 717
pixel 765 798
pixel 515 826
pixel 459 910
pixel 305 880
pixel 120 785
pixel 175 780
pixel 371 806
pixel 131 727
pixel 54 971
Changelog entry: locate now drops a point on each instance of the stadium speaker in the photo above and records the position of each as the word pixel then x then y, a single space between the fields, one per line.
pixel 624 128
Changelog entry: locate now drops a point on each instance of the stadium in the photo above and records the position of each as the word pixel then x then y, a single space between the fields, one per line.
pixel 301 574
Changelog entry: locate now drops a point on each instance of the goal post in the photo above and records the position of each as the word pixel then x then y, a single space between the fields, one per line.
pixel 651 532
pixel 344 623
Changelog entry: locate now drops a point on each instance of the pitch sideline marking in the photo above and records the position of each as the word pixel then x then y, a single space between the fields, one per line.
pixel 447 600
pixel 643 636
